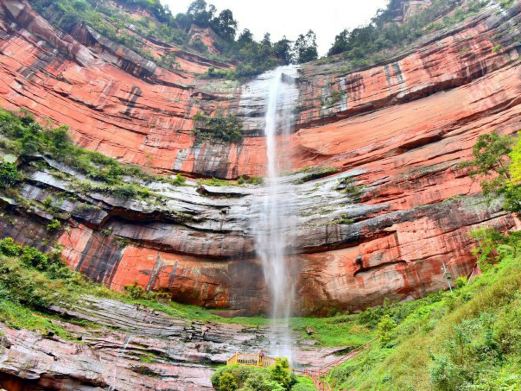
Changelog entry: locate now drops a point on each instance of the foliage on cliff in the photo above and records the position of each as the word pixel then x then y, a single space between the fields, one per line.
pixel 26 138
pixel 114 21
pixel 497 163
pixel 219 127
pixel 368 45
pixel 467 339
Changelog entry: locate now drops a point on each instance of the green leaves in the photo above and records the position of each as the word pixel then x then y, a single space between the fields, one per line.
pixel 497 160
pixel 491 154
pixel 278 377
pixel 9 175
pixel 227 128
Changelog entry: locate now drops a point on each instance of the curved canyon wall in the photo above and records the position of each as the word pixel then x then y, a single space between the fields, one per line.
pixel 396 131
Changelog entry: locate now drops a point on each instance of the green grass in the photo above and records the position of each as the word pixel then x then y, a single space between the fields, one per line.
pixel 465 340
pixel 242 181
pixel 19 317
pixel 343 331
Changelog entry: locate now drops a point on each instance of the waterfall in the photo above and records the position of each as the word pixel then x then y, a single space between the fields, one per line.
pixel 275 223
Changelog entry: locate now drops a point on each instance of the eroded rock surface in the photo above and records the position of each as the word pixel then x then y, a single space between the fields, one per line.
pixel 396 131
pixel 396 212
pixel 131 348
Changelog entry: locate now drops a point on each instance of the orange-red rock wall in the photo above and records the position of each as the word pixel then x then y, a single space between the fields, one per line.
pixel 403 126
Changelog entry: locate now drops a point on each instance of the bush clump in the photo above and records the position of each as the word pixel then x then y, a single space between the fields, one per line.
pixel 278 377
pixel 9 175
pixel 227 128
pixel 26 274
pixel 137 292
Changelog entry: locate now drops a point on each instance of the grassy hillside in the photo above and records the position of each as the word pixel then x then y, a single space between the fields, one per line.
pixel 465 340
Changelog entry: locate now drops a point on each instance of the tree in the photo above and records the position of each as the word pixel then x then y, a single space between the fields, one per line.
pixel 225 25
pixel 266 40
pixel 265 47
pixel 282 51
pixel 201 13
pixel 341 44
pixel 305 48
pixel 281 373
pixel 245 38
pixel 183 21
pixel 498 163
pixel 491 159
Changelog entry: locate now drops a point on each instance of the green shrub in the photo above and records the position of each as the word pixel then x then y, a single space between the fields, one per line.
pixel 228 382
pixel 213 73
pixel 461 281
pixel 278 377
pixel 54 225
pixel 331 100
pixel 506 3
pixel 303 384
pixel 22 283
pixel 227 128
pixel 344 219
pixel 384 329
pixel 349 186
pixel 492 245
pixel 250 180
pixel 281 373
pixel 315 172
pixel 33 258
pixel 128 191
pixel 137 292
pixel 177 180
pixel 9 175
pixel 9 247
pixel 168 61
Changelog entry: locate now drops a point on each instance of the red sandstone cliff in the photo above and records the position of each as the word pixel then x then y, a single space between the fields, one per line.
pixel 399 129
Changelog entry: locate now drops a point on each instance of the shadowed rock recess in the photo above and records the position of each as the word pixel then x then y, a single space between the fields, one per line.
pixel 384 205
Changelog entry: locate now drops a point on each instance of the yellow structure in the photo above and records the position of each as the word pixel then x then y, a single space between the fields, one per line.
pixel 252 360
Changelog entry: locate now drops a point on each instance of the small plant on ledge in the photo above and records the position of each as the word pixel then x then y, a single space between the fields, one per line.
pixel 227 128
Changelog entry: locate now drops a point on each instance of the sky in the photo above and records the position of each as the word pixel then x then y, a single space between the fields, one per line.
pixel 293 17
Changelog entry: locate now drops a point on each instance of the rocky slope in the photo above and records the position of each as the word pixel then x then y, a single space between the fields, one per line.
pixel 396 210
pixel 131 347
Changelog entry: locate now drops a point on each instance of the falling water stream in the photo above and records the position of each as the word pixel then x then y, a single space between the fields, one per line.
pixel 275 226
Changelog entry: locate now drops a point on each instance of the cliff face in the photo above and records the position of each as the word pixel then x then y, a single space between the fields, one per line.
pixel 398 130
pixel 384 210
pixel 131 348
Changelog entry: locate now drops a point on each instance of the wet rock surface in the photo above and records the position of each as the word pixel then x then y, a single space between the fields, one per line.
pixel 196 241
pixel 382 226
pixel 131 348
